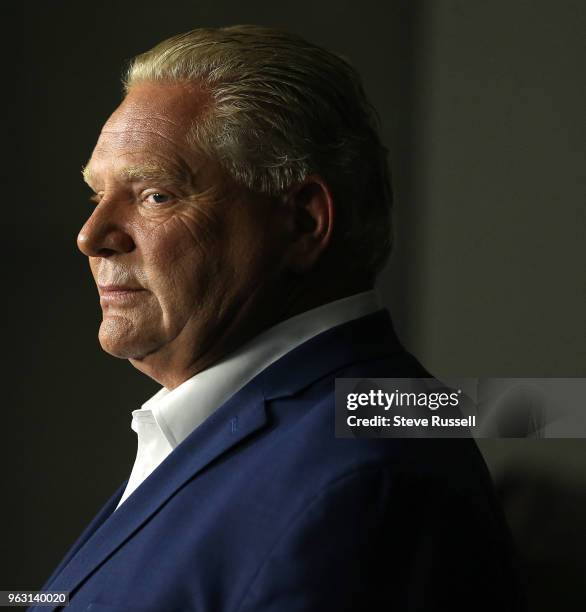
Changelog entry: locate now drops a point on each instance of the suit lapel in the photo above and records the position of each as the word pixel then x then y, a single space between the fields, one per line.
pixel 242 415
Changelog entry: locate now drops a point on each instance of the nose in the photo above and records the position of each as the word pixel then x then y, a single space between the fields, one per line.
pixel 105 233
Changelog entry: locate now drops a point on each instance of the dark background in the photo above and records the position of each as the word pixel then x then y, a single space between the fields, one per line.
pixel 482 106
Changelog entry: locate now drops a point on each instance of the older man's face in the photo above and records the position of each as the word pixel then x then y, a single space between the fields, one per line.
pixel 178 255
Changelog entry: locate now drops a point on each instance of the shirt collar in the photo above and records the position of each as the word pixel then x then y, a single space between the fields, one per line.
pixel 178 412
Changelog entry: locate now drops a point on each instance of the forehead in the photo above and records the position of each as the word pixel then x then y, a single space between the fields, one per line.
pixel 149 127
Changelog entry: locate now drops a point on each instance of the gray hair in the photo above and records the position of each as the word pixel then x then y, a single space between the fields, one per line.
pixel 283 109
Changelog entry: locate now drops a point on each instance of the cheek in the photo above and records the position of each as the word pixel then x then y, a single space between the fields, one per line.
pixel 256 250
pixel 179 268
pixel 205 255
pixel 94 267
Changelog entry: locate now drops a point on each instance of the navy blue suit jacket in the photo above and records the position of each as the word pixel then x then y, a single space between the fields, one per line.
pixel 263 509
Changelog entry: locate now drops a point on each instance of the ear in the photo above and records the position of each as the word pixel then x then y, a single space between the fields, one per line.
pixel 311 207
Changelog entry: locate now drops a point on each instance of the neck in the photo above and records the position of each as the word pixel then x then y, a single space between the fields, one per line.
pixel 201 345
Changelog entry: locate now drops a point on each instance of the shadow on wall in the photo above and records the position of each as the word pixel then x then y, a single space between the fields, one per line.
pixel 542 486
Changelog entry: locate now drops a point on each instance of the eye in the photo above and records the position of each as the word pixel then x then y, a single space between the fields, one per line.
pixel 157 198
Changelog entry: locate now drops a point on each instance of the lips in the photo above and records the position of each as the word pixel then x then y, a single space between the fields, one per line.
pixel 118 294
pixel 115 289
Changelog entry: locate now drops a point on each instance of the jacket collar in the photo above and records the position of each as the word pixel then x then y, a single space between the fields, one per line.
pixel 369 337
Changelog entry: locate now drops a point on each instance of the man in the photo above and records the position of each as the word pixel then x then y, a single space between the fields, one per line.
pixel 241 217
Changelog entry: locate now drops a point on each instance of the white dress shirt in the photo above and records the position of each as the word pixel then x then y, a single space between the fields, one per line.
pixel 166 419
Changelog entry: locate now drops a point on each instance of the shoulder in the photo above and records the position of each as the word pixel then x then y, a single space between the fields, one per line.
pixel 304 425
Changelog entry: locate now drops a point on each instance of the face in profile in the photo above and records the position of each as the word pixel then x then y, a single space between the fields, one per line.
pixel 178 253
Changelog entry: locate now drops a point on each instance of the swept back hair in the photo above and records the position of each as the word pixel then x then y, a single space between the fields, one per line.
pixel 282 109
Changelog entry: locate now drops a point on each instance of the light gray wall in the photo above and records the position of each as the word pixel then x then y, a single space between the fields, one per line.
pixel 498 204
pixel 491 231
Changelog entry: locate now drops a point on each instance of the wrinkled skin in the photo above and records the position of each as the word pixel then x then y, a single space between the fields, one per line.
pixel 188 265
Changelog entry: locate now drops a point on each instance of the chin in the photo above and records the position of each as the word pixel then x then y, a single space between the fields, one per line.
pixel 121 339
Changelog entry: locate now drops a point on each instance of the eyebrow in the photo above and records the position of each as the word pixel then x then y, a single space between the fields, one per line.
pixel 148 172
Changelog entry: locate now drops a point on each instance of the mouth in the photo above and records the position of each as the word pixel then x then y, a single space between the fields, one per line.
pixel 118 293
